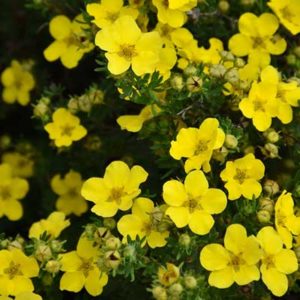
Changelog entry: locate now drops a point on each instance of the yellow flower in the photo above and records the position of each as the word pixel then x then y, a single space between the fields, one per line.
pixel 116 190
pixel 134 123
pixel 17 82
pixel 145 221
pixel 242 176
pixel 22 165
pixel 256 37
pixel 81 270
pixel 197 144
pixel 127 46
pixel 12 189
pixel 53 226
pixel 276 261
pixel 193 203
pixel 288 12
pixel 236 262
pixel 16 269
pixel 108 11
pixel 71 42
pixel 65 128
pixel 172 12
pixel 69 188
pixel 286 222
pixel 168 276
pixel 270 98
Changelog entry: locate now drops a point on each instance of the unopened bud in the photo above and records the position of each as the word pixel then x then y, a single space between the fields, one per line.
pixel 175 289
pixel 159 293
pixel 190 282
pixel 232 76
pixel 217 71
pixel 223 6
pixel 231 141
pixel 53 266
pixel 184 240
pixel 73 105
pixel 177 82
pixel 266 203
pixel 110 223
pixel 263 216
pixel 43 253
pixel 291 59
pixel 272 150
pixel 190 70
pixel 271 187
pixel 84 103
pixel 112 243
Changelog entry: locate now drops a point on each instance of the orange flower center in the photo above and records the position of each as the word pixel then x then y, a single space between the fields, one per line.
pixel 116 194
pixel 86 266
pixel 201 147
pixel 127 51
pixel 240 175
pixel 67 130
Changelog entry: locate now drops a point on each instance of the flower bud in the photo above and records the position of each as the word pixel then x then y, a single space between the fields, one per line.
pixel 177 82
pixel 184 240
pixel 263 216
pixel 271 135
pixel 194 84
pixel 43 253
pixel 239 62
pixel 291 59
pixel 5 141
pixel 73 105
pixel 109 223
pixel 84 103
pixel 159 293
pixel 56 246
pixel 272 150
pixel 223 6
pixel 227 56
pixel 231 141
pixel 175 289
pixel 271 187
pixel 112 259
pixel 266 203
pixel 112 243
pixel 232 76
pixel 190 282
pixel 190 70
pixel 53 266
pixel 217 71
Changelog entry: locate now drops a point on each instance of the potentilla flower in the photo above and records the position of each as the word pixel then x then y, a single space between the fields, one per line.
pixel 81 269
pixel 108 11
pixel 288 12
pixel 16 269
pixel 116 190
pixel 192 203
pixel 22 165
pixel 127 46
pixel 65 128
pixel 197 144
pixel 71 41
pixel 17 83
pixel 236 261
pixel 12 189
pixel 172 12
pixel 286 222
pixel 53 226
pixel 68 188
pixel 256 37
pixel 145 221
pixel 242 177
pixel 276 262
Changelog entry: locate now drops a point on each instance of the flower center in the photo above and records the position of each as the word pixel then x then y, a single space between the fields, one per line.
pixel 67 130
pixel 116 195
pixel 192 204
pixel 201 147
pixel 258 42
pixel 258 105
pixel 165 3
pixel 268 261
pixel 127 51
pixel 112 16
pixel 86 266
pixel 236 261
pixel 5 193
pixel 287 13
pixel 240 175
pixel 13 270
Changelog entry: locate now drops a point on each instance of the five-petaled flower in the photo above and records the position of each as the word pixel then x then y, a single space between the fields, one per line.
pixel 192 203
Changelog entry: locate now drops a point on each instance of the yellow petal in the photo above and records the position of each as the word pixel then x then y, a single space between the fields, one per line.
pixel 86 249
pixel 221 279
pixel 201 222
pixel 286 261
pixel 130 225
pixel 247 24
pixel 60 27
pixel 251 188
pixel 22 284
pixel 196 184
pixel 131 123
pixel 117 174
pixel 251 250
pixel 269 240
pixel 13 210
pixel 235 238
pixel 137 176
pixel 95 190
pixel 55 50
pixel 95 282
pixel 275 281
pixel 117 64
pixel 267 24
pixel 174 193
pixel 262 121
pixel 246 274
pixel 70 262
pixel 214 201
pixel 240 45
pixel 71 56
pixel 105 209
pixel 234 190
pixel 72 282
pixel 142 207
pixel 157 239
pixel 179 215
pixel 214 257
